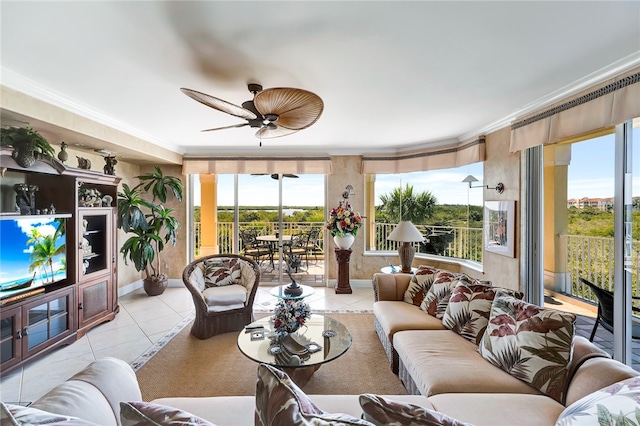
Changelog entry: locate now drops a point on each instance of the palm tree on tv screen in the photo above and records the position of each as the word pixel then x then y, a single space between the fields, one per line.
pixel 44 250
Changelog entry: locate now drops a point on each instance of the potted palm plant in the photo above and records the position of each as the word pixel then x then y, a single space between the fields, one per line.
pixel 151 223
pixel 27 145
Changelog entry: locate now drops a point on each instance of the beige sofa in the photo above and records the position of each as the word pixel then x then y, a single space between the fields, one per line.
pixel 94 395
pixel 436 362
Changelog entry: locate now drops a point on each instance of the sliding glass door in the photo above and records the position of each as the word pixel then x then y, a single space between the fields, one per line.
pixel 276 219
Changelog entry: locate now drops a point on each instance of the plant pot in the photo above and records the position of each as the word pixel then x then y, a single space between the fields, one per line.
pixel 155 286
pixel 344 242
pixel 24 155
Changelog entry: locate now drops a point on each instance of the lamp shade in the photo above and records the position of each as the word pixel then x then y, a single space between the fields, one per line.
pixel 406 232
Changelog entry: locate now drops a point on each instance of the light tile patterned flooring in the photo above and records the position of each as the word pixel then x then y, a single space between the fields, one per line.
pixel 143 320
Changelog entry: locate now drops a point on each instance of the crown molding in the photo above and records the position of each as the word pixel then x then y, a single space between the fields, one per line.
pixel 21 84
pixel 619 67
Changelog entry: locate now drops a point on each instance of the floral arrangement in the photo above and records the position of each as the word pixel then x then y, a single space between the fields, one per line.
pixel 289 315
pixel 343 221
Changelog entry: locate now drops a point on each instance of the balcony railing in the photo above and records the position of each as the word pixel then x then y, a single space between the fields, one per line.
pixel 592 258
pixel 463 243
pixel 588 257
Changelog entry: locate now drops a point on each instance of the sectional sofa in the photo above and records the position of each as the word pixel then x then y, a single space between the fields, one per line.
pixel 442 333
pixel 442 357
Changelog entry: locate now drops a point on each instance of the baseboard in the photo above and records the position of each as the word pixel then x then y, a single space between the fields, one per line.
pixel 174 282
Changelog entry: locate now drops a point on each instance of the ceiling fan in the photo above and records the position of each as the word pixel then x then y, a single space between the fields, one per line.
pixel 275 175
pixel 276 112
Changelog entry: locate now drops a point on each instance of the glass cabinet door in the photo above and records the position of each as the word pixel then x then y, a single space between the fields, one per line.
pixel 47 320
pixel 10 337
pixel 95 242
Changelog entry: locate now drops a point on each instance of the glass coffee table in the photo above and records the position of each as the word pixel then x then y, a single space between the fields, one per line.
pixel 322 339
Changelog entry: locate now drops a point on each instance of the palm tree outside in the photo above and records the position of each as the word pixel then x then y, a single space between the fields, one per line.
pixel 404 204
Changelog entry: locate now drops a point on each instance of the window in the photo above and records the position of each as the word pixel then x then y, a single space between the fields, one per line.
pixel 445 209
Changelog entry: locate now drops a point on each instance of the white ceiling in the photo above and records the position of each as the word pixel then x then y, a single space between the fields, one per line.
pixel 393 75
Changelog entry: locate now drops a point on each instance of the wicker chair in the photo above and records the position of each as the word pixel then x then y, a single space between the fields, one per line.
pixel 231 313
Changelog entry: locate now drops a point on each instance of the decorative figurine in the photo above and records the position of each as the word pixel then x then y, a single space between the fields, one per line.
pixel 25 198
pixel 109 167
pixel 52 209
pixel 63 155
pixel 107 200
pixel 83 163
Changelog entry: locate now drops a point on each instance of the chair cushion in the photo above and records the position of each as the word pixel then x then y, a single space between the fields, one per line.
pixel 531 343
pixel 279 401
pixel 219 272
pixel 420 284
pixel 381 412
pixel 225 298
pixel 469 307
pixel 146 413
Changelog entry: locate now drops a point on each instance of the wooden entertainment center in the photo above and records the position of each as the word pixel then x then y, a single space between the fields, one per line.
pixel 39 319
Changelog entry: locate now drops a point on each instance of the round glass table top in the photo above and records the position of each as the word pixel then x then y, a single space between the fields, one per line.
pixel 320 340
pixel 280 292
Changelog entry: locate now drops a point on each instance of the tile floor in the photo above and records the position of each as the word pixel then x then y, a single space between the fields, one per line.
pixel 143 320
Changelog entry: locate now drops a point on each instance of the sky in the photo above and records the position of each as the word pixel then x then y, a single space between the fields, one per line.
pixel 590 175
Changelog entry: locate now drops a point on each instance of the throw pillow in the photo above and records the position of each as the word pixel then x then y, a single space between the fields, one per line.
pixel 618 404
pixel 420 283
pixel 469 307
pixel 279 401
pixel 145 413
pixel 12 414
pixel 381 412
pixel 219 273
pixel 437 298
pixel 531 343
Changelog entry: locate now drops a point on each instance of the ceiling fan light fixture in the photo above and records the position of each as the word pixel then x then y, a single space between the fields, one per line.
pixel 293 109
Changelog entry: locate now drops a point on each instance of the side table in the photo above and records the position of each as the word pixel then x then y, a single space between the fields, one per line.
pixel 342 285
pixel 398 270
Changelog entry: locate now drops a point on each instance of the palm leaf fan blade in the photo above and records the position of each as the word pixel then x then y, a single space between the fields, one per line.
pixel 219 104
pixel 297 109
pixel 267 133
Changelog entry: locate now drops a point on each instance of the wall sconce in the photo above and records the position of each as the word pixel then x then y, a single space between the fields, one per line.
pixel 499 187
pixel 470 179
pixel 348 191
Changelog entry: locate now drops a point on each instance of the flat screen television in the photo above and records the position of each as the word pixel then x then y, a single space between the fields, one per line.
pixel 33 252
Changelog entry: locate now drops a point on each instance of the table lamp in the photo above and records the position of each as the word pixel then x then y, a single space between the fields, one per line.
pixel 406 233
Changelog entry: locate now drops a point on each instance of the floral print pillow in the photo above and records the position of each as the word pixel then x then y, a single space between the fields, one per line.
pixel 469 307
pixel 279 401
pixel 531 343
pixel 148 414
pixel 218 273
pixel 437 298
pixel 420 284
pixel 381 412
pixel 618 404
pixel 11 414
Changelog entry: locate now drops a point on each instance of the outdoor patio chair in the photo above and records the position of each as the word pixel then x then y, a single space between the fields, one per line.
pixel 255 249
pixel 314 243
pixel 295 247
pixel 605 310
